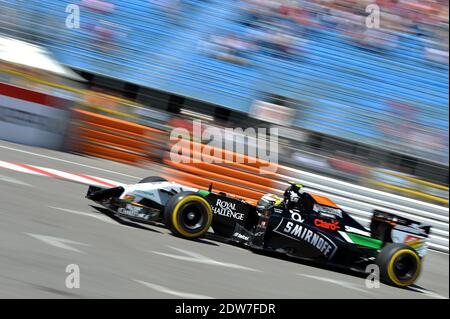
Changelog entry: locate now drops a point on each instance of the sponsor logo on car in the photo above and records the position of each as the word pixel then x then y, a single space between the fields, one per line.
pixel 240 236
pixel 295 215
pixel 331 225
pixel 302 232
pixel 133 211
pixel 413 241
pixel 227 209
pixel 278 210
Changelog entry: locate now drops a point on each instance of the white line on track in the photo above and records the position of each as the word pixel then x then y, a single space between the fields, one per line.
pixel 72 177
pixel 58 242
pixel 428 293
pixel 336 282
pixel 66 161
pixel 197 258
pixel 103 218
pixel 53 173
pixel 18 168
pixel 14 181
pixel 168 291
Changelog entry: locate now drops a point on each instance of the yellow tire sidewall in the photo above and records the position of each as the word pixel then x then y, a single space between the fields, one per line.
pixel 391 272
pixel 176 210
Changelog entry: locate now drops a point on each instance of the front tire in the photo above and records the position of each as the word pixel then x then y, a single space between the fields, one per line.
pixel 152 179
pixel 399 265
pixel 188 215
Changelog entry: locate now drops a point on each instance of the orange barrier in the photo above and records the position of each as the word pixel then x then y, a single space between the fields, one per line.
pixel 260 189
pixel 240 171
pixel 203 183
pixel 111 138
pixel 237 175
pixel 241 179
pixel 196 147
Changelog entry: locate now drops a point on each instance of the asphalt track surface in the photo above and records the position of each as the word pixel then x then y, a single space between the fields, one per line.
pixel 46 224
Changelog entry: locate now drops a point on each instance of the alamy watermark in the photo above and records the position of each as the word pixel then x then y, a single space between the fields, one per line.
pixel 373 19
pixel 73 17
pixel 73 279
pixel 373 277
pixel 209 144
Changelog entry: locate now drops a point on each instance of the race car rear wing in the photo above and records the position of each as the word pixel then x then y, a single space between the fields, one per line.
pixel 397 229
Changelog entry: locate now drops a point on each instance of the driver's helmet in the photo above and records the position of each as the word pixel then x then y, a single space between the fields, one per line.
pixel 293 194
pixel 269 200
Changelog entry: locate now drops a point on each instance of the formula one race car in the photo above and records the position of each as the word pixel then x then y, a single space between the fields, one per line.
pixel 299 224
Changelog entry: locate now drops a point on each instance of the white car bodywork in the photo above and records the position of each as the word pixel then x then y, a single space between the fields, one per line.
pixel 158 192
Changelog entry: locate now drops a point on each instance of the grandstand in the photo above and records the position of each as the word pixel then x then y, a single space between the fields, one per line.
pixel 213 52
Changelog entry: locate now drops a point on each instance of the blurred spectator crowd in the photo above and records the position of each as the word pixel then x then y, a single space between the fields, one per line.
pixel 146 38
pixel 281 27
pixel 278 27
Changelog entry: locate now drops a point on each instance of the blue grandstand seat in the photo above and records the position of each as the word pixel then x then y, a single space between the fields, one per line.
pixel 346 87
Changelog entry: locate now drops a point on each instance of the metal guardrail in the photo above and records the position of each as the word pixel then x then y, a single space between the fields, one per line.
pixel 360 201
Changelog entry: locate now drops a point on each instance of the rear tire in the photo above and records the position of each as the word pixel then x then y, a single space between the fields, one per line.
pixel 152 179
pixel 188 215
pixel 399 265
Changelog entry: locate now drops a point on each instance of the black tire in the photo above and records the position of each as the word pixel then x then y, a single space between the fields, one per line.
pixel 152 179
pixel 188 215
pixel 399 265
